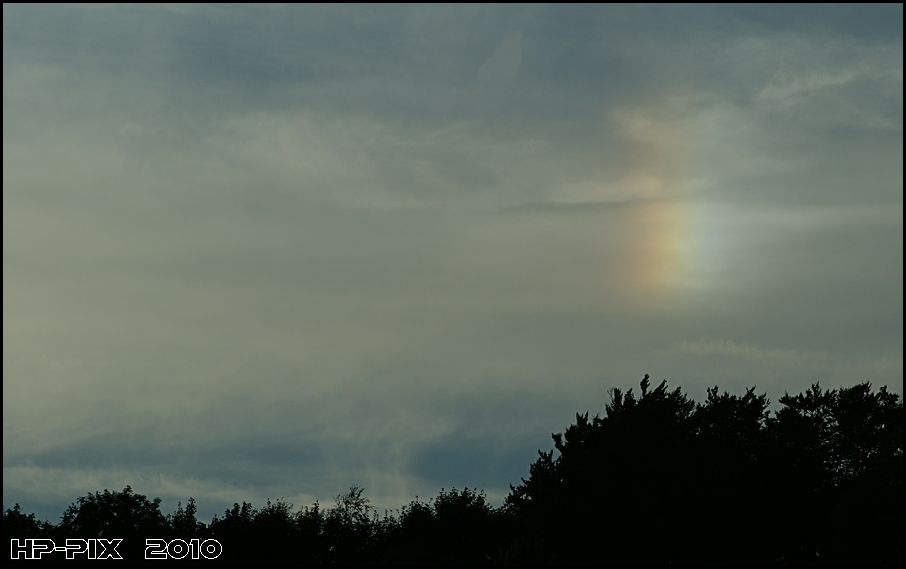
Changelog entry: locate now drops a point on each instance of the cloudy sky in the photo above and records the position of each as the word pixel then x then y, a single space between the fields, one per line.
pixel 255 252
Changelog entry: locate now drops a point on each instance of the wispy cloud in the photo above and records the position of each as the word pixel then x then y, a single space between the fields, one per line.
pixel 252 251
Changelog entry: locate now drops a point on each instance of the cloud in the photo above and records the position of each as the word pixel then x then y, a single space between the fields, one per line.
pixel 790 358
pixel 880 368
pixel 500 68
pixel 253 251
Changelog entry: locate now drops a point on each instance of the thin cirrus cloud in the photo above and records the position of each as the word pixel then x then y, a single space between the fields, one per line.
pixel 253 252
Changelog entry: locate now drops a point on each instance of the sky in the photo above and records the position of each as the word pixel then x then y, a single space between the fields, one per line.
pixel 255 252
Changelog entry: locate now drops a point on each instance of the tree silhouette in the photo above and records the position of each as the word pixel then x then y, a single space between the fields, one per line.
pixel 349 527
pixel 124 515
pixel 840 455
pixel 729 484
pixel 456 528
pixel 662 480
pixel 17 524
pixel 184 524
pixel 659 479
pixel 616 477
pixel 310 548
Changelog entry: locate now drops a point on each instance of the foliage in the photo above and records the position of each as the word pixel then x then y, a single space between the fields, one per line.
pixel 458 527
pixel 658 479
pixel 184 523
pixel 18 524
pixel 125 515
pixel 349 526
pixel 666 481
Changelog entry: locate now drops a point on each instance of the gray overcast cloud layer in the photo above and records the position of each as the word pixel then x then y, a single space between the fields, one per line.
pixel 263 251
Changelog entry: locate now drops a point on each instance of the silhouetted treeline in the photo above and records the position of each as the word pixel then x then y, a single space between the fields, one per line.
pixel 659 479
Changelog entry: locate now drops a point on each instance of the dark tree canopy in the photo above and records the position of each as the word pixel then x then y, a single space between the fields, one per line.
pixel 659 479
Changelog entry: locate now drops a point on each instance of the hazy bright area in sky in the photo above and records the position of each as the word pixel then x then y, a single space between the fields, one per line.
pixel 255 252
